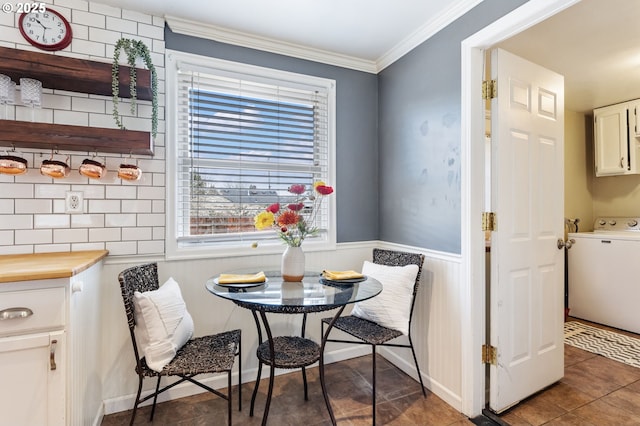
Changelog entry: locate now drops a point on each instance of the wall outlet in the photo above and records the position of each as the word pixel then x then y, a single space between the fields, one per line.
pixel 74 202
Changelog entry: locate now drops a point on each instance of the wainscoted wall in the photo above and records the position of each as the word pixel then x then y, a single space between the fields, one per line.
pixel 126 218
pixel 436 326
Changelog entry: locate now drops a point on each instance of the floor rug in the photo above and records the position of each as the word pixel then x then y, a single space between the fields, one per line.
pixel 609 344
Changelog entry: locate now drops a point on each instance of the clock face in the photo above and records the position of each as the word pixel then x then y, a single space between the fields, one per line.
pixel 47 30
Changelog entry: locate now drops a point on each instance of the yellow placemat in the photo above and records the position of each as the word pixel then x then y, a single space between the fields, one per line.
pixel 258 277
pixel 341 275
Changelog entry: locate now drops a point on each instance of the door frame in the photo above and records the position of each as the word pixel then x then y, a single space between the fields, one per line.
pixel 472 271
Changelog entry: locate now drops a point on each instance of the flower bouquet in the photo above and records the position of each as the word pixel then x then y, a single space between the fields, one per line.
pixel 293 224
pixel 296 221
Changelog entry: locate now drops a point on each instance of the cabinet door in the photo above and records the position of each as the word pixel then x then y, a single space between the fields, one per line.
pixel 634 118
pixel 32 390
pixel 611 140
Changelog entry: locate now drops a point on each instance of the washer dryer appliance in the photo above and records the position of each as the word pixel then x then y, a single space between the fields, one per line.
pixel 604 273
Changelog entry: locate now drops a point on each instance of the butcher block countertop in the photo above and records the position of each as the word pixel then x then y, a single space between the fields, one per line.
pixel 42 266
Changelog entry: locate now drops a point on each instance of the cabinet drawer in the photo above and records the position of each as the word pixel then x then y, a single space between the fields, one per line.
pixel 47 305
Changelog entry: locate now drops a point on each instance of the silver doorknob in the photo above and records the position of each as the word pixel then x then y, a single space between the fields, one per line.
pixel 568 244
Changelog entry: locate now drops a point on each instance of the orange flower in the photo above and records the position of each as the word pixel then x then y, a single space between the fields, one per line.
pixel 287 218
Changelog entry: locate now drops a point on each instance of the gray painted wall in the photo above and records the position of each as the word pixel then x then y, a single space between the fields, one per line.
pixel 356 128
pixel 419 136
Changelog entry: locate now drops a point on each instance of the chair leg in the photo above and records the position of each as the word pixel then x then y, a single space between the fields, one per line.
pixel 255 388
pixel 240 374
pixel 415 359
pixel 304 381
pixel 135 406
pixel 155 399
pixel 229 395
pixel 373 397
pixel 272 371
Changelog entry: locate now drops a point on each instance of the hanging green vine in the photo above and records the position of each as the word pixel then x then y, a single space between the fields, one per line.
pixel 134 49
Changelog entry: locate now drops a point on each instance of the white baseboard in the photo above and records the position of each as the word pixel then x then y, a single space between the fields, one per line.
pixel 124 403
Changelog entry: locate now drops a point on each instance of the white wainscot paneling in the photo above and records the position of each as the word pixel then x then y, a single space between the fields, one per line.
pixel 436 328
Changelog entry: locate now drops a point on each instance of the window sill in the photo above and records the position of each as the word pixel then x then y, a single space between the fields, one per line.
pixel 221 250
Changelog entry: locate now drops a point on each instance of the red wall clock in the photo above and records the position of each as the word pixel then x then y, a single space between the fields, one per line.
pixel 46 30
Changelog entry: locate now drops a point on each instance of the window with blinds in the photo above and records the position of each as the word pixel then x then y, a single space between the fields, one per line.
pixel 243 137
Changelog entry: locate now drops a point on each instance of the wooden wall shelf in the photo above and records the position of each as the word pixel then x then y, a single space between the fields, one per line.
pixel 72 74
pixel 64 137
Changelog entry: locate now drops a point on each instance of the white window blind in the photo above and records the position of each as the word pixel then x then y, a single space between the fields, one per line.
pixel 242 140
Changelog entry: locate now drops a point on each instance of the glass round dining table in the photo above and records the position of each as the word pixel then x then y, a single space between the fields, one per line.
pixel 313 294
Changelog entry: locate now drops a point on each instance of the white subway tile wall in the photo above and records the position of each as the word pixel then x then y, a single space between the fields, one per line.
pixel 126 218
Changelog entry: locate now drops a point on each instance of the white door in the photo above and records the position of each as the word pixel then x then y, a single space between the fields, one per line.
pixel 527 268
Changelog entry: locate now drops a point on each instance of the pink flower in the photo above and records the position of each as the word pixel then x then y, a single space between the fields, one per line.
pixel 297 189
pixel 295 207
pixel 274 208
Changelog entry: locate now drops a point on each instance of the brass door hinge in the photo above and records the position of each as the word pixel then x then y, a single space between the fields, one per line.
pixel 489 89
pixel 488 221
pixel 489 355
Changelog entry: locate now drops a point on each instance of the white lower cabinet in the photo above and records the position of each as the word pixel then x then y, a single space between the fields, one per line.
pixel 50 351
pixel 33 371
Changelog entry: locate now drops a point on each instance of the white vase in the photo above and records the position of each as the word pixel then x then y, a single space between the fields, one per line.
pixel 292 268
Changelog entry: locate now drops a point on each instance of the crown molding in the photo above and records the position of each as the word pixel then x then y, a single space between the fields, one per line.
pixel 238 38
pixel 425 32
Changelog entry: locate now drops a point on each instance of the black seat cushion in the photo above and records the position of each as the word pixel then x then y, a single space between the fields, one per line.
pixel 365 330
pixel 207 354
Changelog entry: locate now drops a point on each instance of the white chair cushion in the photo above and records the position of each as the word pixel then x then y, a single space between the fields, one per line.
pixel 392 307
pixel 163 324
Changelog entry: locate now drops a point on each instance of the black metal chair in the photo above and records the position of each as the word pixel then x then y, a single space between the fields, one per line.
pixel 208 354
pixel 371 333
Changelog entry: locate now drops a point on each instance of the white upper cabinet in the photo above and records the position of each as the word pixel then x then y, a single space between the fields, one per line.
pixel 617 151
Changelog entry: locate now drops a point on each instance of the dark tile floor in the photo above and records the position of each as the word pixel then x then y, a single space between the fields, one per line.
pixel 595 391
pixel 400 401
